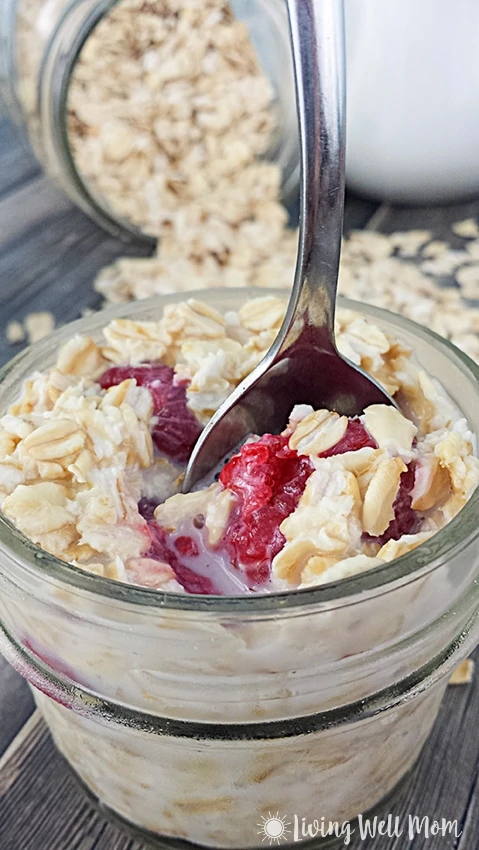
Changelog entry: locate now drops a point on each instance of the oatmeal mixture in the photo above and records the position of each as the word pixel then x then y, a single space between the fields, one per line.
pixel 92 453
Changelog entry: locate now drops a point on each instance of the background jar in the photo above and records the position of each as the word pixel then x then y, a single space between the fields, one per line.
pixel 192 716
pixel 40 43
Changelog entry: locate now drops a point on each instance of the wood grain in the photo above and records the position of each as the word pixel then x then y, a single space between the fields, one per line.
pixel 17 165
pixel 16 704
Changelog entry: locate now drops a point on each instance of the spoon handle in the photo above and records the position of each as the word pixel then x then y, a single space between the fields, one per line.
pixel 317 35
pixel 291 372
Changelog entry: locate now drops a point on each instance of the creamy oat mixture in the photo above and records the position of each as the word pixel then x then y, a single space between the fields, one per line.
pixel 92 453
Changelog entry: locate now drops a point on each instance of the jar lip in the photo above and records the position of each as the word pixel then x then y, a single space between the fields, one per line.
pixel 459 532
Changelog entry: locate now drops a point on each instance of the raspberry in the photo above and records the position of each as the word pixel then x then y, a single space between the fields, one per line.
pixel 160 550
pixel 269 478
pixel 186 546
pixel 356 437
pixel 176 429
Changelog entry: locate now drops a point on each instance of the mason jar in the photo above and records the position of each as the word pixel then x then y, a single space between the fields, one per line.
pixel 197 717
pixel 41 42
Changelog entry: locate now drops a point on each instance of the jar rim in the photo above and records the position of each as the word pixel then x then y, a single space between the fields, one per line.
pixel 458 533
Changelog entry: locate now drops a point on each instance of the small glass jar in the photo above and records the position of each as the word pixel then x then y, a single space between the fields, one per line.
pixel 40 43
pixel 196 717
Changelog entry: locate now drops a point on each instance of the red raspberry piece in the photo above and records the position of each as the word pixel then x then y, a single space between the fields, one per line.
pixel 160 550
pixel 356 437
pixel 186 546
pixel 269 478
pixel 177 429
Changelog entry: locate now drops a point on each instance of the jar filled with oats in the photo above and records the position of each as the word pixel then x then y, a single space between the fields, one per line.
pixel 162 119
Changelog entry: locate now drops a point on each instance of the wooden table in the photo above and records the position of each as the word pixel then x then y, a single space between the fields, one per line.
pixel 49 254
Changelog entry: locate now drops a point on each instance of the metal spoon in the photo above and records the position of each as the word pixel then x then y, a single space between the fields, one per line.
pixel 303 364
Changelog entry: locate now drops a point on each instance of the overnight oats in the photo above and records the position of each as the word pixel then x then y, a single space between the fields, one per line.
pixel 277 640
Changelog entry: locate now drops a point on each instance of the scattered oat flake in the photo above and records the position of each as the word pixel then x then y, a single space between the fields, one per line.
pixel 468 229
pixel 38 325
pixel 445 263
pixel 434 249
pixel 473 249
pixel 463 674
pixel 409 243
pixel 14 333
pixel 468 274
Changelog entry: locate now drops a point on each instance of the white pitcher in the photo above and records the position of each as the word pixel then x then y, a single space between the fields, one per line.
pixel 413 99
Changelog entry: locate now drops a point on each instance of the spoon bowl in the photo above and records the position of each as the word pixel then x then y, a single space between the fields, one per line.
pixel 303 366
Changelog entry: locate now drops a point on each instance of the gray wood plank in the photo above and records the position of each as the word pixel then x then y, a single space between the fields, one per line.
pixel 357 212
pixel 16 704
pixel 29 206
pixel 442 785
pixel 17 164
pixel 51 266
pixel 437 218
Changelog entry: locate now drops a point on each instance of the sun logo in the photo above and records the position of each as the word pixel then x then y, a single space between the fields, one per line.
pixel 273 828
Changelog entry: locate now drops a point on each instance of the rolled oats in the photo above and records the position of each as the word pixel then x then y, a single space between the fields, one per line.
pixel 380 496
pixel 463 675
pixel 56 439
pixel 81 356
pixel 14 333
pixel 337 570
pixel 169 139
pixel 376 268
pixel 134 342
pixel 262 314
pixel 396 548
pixel 468 279
pixel 390 429
pixel 468 229
pixel 39 508
pixel 38 325
pixel 318 432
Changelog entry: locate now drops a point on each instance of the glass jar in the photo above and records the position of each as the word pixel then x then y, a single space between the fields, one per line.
pixel 40 43
pixel 195 716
